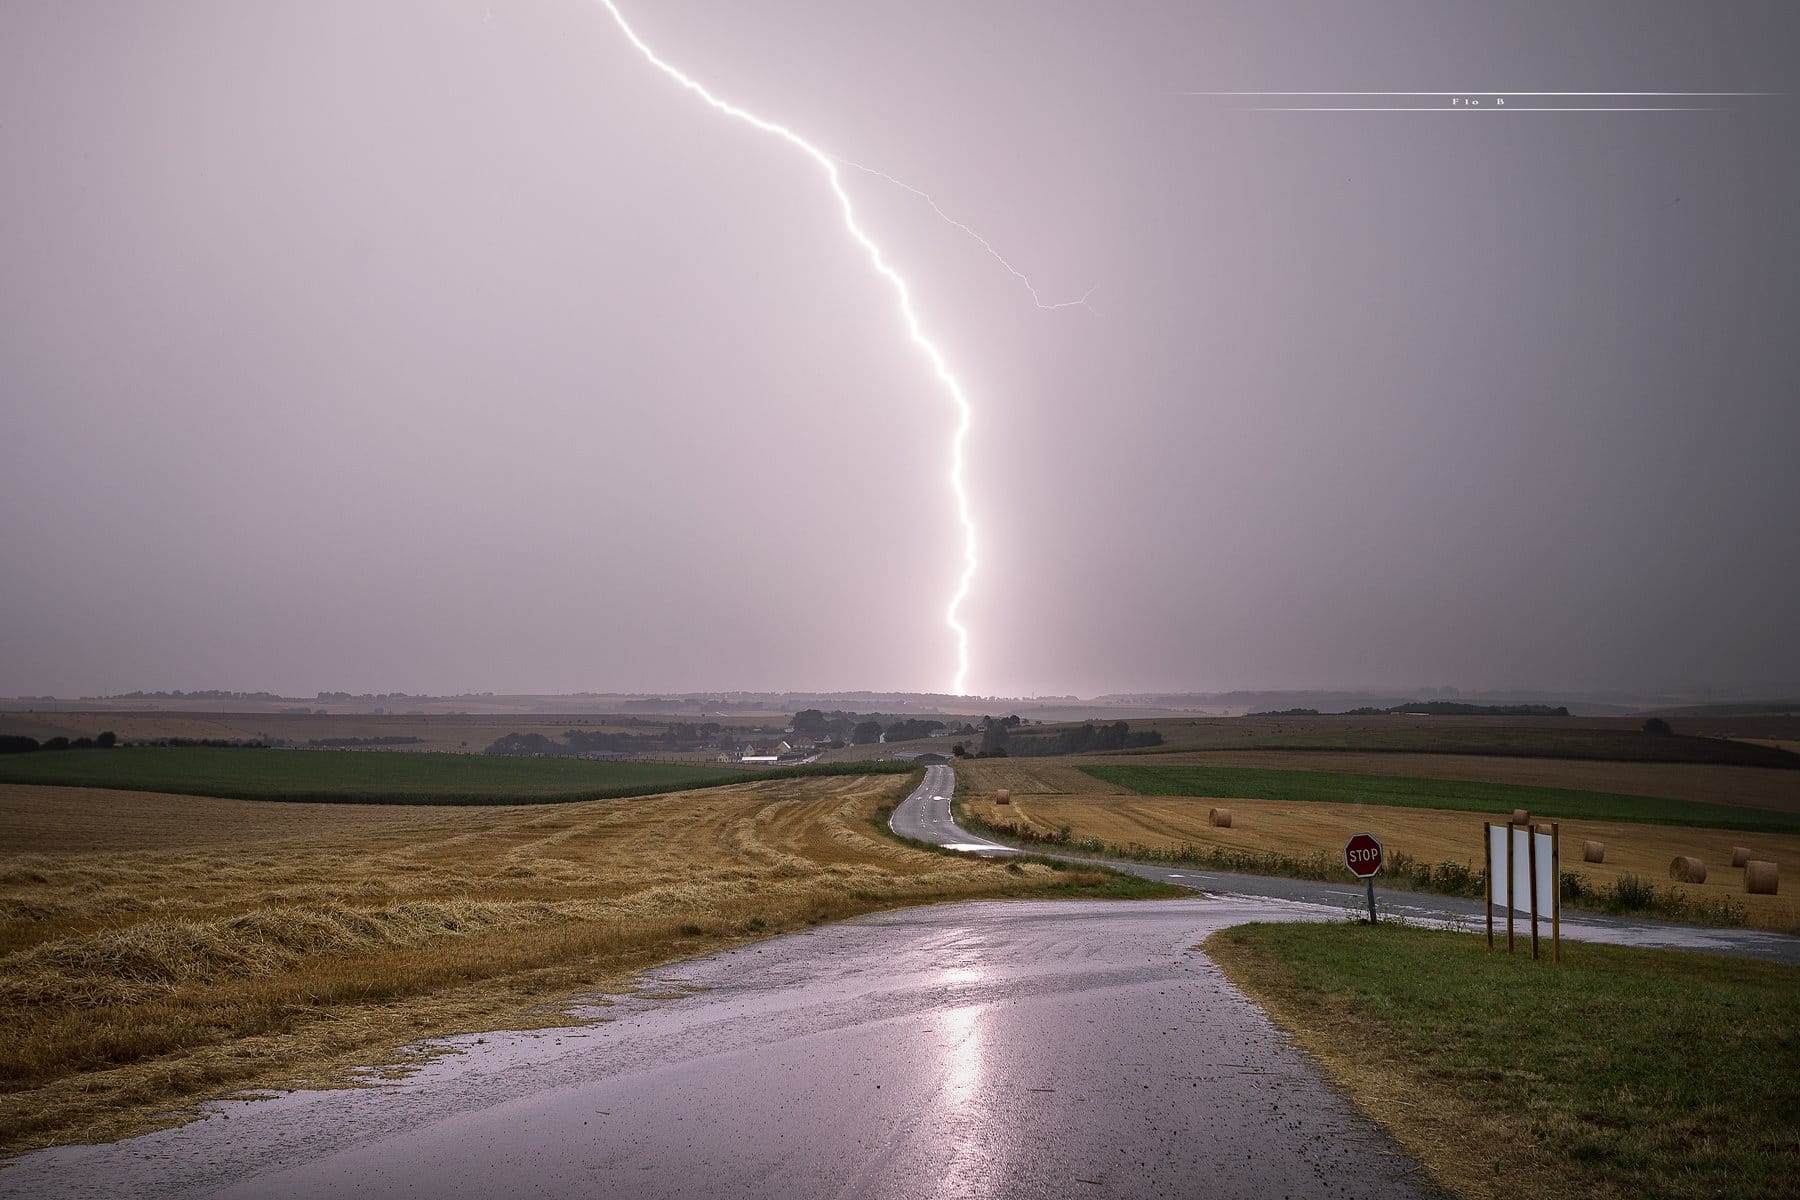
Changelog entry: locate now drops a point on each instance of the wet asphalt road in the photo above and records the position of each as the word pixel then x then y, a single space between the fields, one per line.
pixel 1002 1049
pixel 1009 1049
pixel 925 816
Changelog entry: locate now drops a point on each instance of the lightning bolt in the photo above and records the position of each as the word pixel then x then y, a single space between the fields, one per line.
pixel 939 365
pixel 1036 297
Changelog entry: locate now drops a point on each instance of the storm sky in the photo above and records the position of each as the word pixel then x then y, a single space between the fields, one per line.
pixel 444 345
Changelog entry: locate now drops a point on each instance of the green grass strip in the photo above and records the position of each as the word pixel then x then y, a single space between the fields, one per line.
pixel 1257 783
pixel 385 777
pixel 1620 1072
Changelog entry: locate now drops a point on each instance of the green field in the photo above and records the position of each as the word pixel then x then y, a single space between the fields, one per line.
pixel 378 777
pixel 1519 740
pixel 1619 1072
pixel 1255 783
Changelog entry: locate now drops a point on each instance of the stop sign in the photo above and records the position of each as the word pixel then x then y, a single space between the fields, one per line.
pixel 1362 854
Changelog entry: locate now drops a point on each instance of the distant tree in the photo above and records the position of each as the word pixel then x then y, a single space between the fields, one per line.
pixel 811 722
pixel 993 738
pixel 57 743
pixel 866 733
pixel 959 750
pixel 1658 726
pixel 14 744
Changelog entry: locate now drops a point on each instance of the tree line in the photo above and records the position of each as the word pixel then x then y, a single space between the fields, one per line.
pixel 16 744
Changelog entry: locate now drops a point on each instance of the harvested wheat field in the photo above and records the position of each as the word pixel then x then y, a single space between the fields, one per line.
pixel 1429 835
pixel 976 776
pixel 155 950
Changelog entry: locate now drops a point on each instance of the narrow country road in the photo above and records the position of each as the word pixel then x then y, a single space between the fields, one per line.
pixel 986 1050
pixel 925 816
pixel 999 1049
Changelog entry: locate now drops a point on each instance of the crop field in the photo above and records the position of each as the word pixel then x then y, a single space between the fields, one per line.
pixel 376 776
pixel 1752 787
pixel 451 733
pixel 1619 1072
pixel 356 775
pixel 1466 796
pixel 156 949
pixel 1304 828
pixel 1713 741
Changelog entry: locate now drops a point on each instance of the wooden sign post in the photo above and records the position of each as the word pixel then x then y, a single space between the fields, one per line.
pixel 1525 878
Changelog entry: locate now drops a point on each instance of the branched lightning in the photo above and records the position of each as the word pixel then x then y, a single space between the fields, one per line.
pixel 829 165
pixel 1036 297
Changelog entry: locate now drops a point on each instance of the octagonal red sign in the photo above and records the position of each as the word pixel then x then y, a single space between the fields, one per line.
pixel 1362 854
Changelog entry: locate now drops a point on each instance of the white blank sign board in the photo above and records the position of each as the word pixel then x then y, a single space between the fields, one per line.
pixel 1517 890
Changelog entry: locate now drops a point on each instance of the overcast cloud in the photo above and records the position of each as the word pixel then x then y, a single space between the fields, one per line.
pixel 428 346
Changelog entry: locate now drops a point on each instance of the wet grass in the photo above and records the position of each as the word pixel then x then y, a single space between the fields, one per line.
pixel 1256 783
pixel 1619 1072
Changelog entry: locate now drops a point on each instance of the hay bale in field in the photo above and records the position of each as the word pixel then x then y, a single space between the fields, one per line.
pixel 1685 869
pixel 1739 856
pixel 1220 817
pixel 1546 828
pixel 1593 852
pixel 1761 878
pixel 1003 796
pixel 1521 817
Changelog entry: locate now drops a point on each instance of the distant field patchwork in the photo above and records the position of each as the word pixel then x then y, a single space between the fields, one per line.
pixel 355 776
pixel 1331 787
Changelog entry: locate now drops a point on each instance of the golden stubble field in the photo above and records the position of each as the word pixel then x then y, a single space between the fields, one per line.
pixel 1048 796
pixel 155 949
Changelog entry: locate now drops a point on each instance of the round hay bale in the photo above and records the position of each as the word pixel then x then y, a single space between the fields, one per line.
pixel 1761 878
pixel 1220 817
pixel 1546 828
pixel 1739 856
pixel 1521 817
pixel 1687 870
pixel 1003 796
pixel 1593 852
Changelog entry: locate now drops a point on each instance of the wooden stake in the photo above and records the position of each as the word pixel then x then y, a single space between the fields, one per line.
pixel 1556 896
pixel 1512 901
pixel 1487 851
pixel 1531 869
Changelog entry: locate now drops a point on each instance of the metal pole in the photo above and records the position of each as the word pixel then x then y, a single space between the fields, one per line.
pixel 1371 882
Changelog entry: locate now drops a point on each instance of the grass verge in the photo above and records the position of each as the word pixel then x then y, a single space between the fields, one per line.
pixel 1620 1072
pixel 385 777
pixel 1402 792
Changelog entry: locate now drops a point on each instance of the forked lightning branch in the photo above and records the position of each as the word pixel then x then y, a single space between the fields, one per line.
pixel 940 367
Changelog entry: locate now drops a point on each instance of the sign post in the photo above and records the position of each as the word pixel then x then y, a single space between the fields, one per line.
pixel 1362 854
pixel 1525 879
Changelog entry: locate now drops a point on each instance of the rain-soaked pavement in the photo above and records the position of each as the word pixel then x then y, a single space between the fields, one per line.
pixel 1011 1049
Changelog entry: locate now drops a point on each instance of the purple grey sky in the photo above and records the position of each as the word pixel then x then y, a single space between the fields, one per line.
pixel 432 346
